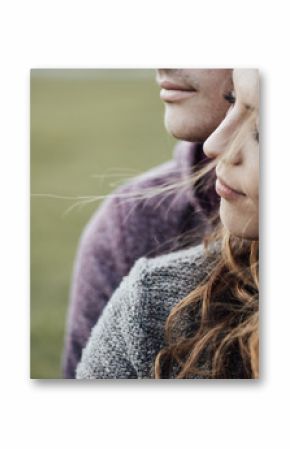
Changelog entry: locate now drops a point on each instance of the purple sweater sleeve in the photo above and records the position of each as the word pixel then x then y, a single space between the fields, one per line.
pixel 99 267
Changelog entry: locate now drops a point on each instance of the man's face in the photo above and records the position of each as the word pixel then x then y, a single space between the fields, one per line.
pixel 194 100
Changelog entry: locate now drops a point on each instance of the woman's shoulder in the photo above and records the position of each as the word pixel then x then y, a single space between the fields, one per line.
pixel 153 287
pixel 159 283
pixel 188 266
pixel 130 331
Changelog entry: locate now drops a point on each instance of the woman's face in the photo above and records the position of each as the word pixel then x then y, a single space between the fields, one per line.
pixel 235 144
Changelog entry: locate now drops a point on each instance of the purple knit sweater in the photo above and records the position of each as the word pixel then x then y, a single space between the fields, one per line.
pixel 123 230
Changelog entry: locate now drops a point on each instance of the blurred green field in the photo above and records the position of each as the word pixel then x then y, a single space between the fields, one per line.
pixel 86 125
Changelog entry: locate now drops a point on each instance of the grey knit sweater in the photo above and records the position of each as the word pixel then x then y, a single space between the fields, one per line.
pixel 130 331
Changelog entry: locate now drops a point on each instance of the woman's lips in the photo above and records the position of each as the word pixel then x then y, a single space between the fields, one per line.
pixel 171 92
pixel 227 192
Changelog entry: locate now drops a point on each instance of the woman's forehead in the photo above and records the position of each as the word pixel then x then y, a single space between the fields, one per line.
pixel 246 83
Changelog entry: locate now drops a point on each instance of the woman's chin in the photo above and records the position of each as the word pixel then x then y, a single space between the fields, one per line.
pixel 239 224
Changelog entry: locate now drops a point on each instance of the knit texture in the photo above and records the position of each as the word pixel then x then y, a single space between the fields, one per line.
pixel 123 230
pixel 130 332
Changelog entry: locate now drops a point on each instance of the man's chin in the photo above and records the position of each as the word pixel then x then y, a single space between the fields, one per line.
pixel 181 127
pixel 181 132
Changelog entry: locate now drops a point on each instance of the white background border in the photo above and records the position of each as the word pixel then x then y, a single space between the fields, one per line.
pixel 83 34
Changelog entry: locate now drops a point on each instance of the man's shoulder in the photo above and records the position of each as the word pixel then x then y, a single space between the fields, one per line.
pixel 141 187
pixel 150 194
pixel 147 214
pixel 185 155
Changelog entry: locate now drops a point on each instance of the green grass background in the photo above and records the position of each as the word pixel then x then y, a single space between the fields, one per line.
pixel 86 125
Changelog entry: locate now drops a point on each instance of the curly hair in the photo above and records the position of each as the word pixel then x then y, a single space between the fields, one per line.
pixel 227 307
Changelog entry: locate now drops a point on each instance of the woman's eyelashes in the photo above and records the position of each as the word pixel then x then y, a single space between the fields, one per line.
pixel 230 97
pixel 256 135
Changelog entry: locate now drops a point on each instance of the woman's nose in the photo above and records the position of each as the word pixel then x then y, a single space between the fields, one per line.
pixel 224 146
pixel 216 143
pixel 222 143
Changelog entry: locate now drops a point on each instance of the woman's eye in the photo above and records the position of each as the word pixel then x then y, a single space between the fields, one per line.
pixel 256 135
pixel 230 97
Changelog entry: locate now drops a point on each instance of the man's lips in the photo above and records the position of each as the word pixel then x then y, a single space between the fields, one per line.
pixel 169 85
pixel 227 192
pixel 171 91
